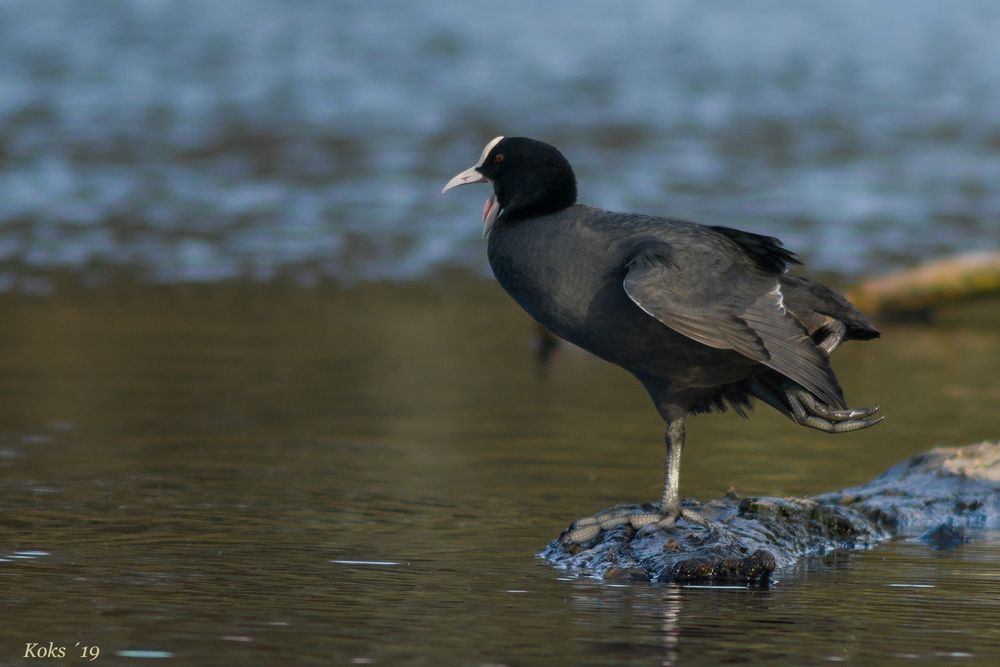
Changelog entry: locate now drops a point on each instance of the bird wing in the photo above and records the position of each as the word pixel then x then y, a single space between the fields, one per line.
pixel 700 292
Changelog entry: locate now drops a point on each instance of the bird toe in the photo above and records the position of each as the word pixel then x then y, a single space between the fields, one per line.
pixel 584 533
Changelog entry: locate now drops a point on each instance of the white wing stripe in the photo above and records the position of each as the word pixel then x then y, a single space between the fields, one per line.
pixel 781 298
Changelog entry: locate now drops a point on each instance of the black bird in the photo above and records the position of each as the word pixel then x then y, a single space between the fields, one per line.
pixel 704 317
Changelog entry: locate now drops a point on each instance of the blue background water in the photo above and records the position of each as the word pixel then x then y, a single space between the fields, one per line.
pixel 171 140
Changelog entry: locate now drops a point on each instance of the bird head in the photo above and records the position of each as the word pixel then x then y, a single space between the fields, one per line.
pixel 529 177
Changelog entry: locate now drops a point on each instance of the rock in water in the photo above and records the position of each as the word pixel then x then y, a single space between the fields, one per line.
pixel 939 494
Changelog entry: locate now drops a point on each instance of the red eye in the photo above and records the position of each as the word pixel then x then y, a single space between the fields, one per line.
pixel 499 158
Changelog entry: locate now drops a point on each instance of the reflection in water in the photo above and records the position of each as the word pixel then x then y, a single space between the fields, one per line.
pixel 367 473
pixel 671 626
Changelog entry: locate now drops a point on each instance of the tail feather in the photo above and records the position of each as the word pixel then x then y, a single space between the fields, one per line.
pixel 812 303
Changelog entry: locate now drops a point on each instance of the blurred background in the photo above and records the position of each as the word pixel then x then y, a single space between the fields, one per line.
pixel 190 141
pixel 260 400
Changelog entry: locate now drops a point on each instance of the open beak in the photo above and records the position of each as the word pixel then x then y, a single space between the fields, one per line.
pixel 491 210
pixel 470 175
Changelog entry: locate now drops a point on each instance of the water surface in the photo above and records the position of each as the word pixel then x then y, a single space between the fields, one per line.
pixel 249 475
pixel 232 431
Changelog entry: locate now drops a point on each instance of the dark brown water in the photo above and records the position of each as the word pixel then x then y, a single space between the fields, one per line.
pixel 270 475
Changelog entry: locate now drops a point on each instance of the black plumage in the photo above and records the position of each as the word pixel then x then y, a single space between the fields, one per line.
pixel 704 317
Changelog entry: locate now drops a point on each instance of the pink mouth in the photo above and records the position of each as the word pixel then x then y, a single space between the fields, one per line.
pixel 490 212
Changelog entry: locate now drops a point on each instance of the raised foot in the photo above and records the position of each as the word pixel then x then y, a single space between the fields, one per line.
pixel 807 411
pixel 583 533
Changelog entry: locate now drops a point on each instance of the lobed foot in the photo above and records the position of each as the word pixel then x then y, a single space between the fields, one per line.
pixel 808 411
pixel 583 533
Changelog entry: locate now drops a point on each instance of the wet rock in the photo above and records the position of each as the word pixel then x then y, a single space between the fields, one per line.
pixel 958 486
pixel 938 494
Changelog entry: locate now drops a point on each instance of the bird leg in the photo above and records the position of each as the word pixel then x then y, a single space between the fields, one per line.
pixel 545 345
pixel 808 411
pixel 670 500
pixel 583 533
pixel 805 409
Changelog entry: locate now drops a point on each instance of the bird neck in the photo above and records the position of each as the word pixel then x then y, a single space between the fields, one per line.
pixel 533 198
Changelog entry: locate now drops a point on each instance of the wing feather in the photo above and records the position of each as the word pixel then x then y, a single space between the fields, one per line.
pixel 741 308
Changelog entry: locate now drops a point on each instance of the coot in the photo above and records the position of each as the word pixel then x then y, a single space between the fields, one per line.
pixel 705 317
